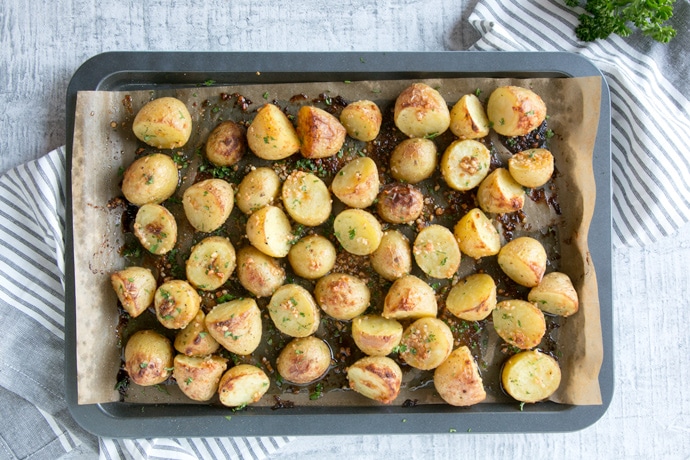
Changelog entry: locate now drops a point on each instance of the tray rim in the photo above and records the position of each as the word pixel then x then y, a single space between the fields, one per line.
pixel 131 69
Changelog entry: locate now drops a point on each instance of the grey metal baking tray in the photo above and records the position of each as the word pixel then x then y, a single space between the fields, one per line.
pixel 154 70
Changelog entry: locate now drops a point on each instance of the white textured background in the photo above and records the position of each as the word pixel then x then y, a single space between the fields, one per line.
pixel 43 44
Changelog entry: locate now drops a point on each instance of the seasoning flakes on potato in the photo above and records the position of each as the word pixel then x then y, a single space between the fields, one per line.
pixel 426 343
pixel 135 288
pixel 410 298
pixel 468 118
pixel 269 230
pixel 208 204
pixel 294 311
pixel 362 120
pixel 259 273
pixel 531 168
pixel 271 135
pixel 342 296
pixel 242 385
pixel 306 198
pixel 176 303
pixel 476 235
pixel 520 323
pixel 499 193
pixel 421 111
pixel 376 377
pixel 515 111
pixel 358 231
pixel 357 183
pixel 304 360
pixel 413 160
pixel 210 263
pixel 195 339
pixel 393 258
pixel 473 298
pixel 436 251
pixel 312 257
pixel 259 188
pixel 164 123
pixel 555 294
pixel 148 358
pixel 457 379
pixel 150 179
pixel 523 260
pixel 465 163
pixel 376 335
pixel 236 325
pixel 531 376
pixel 197 376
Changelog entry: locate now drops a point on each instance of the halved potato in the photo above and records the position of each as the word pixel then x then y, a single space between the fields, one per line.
pixel 473 298
pixel 164 123
pixel 421 111
pixel 241 385
pixel 198 377
pixel 426 343
pixel 306 198
pixel 362 120
pixel 457 379
pixel 135 288
pixel 260 187
pixel 176 303
pixel 468 119
pixel 376 335
pixel 465 163
pixel 357 231
pixel 321 134
pixel 271 135
pixel 236 325
pixel 523 260
pixel 150 179
pixel 476 235
pixel 400 203
pixel 194 339
pixel 531 376
pixel 156 228
pixel 436 251
pixel 312 256
pixel 499 193
pixel 357 183
pixel 211 262
pixel 515 111
pixel 413 160
pixel 304 360
pixel 375 377
pixel 269 230
pixel 531 168
pixel 259 273
pixel 410 298
pixel 294 311
pixel 555 294
pixel 342 296
pixel 520 323
pixel 208 204
pixel 226 144
pixel 148 358
pixel 393 258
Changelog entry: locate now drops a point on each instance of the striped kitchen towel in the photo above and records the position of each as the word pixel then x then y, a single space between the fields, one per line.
pixel 649 84
pixel 36 420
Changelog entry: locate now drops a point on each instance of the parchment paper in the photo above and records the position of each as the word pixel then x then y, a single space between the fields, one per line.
pixel 104 145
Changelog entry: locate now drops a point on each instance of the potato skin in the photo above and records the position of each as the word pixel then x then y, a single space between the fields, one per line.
pixel 476 235
pixel 531 376
pixel 519 323
pixel 342 296
pixel 226 144
pixel 208 204
pixel 194 339
pixel 164 123
pixel 499 193
pixel 473 298
pixel 468 119
pixel 177 303
pixel 393 258
pixel 555 294
pixel 306 198
pixel 413 160
pixel 312 257
pixel 420 111
pixel 358 231
pixel 304 360
pixel 426 343
pixel 259 188
pixel 135 288
pixel 523 260
pixel 271 135
pixel 155 228
pixel 148 358
pixel 198 377
pixel 211 262
pixel 376 335
pixel 515 111
pixel 236 325
pixel 259 273
pixel 362 120
pixel 150 179
pixel 294 311
pixel 457 379
pixel 400 203
pixel 321 134
pixel 357 183
pixel 242 384
pixel 410 298
pixel 376 377
pixel 436 251
pixel 531 168
pixel 269 230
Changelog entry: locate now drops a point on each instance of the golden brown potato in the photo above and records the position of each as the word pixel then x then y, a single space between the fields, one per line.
pixel 148 358
pixel 177 303
pixel 194 339
pixel 465 163
pixel 515 111
pixel 164 123
pixel 226 144
pixel 520 323
pixel 457 379
pixel 376 377
pixel 421 111
pixel 376 335
pixel 135 287
pixel 306 198
pixel 312 257
pixel 150 179
pixel 410 298
pixel 436 251
pixel 393 258
pixel 269 230
pixel 555 294
pixel 357 231
pixel 400 203
pixel 531 168
pixel 499 193
pixel 241 385
pixel 473 298
pixel 476 235
pixel 357 183
pixel 342 296
pixel 155 228
pixel 468 119
pixel 294 311
pixel 259 188
pixel 304 360
pixel 426 343
pixel 413 160
pixel 198 377
pixel 523 260
pixel 258 273
pixel 208 204
pixel 321 135
pixel 271 135
pixel 362 120
pixel 210 263
pixel 236 325
pixel 531 376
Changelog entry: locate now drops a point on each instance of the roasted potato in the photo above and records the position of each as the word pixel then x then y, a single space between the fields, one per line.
pixel 375 377
pixel 164 123
pixel 210 263
pixel 531 376
pixel 421 111
pixel 342 296
pixel 531 168
pixel 176 303
pixel 376 335
pixel 473 298
pixel 357 183
pixel 259 188
pixel 135 288
pixel 426 343
pixel 555 294
pixel 409 298
pixel 294 311
pixel 499 193
pixel 236 325
pixel 269 230
pixel 155 228
pixel 198 377
pixel 241 385
pixel 306 198
pixel 312 257
pixel 515 111
pixel 357 231
pixel 520 323
pixel 436 251
pixel 194 339
pixel 413 160
pixel 271 135
pixel 362 120
pixel 320 134
pixel 259 273
pixel 457 379
pixel 476 235
pixel 208 204
pixel 393 258
pixel 465 163
pixel 304 360
pixel 400 203
pixel 468 119
pixel 226 144
pixel 148 358
pixel 523 260
pixel 150 179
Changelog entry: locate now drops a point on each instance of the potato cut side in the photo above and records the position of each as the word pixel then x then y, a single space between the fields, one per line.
pixel 236 325
pixel 515 111
pixel 210 263
pixel 271 135
pixel 410 298
pixel 376 377
pixel 342 296
pixel 164 123
pixel 499 193
pixel 294 311
pixel 243 384
pixel 155 228
pixel 304 360
pixel 523 260
pixel 520 323
pixel 150 179
pixel 135 288
pixel 436 252
pixel 208 204
pixel 426 343
pixel 269 230
pixel 362 120
pixel 476 235
pixel 531 168
pixel 465 163
pixel 376 335
pixel 473 298
pixel 312 257
pixel 148 358
pixel 457 379
pixel 306 198
pixel 468 118
pixel 194 339
pixel 357 183
pixel 555 294
pixel 531 376
pixel 321 134
pixel 421 111
pixel 259 273
pixel 259 188
pixel 198 377
pixel 358 231
pixel 176 303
